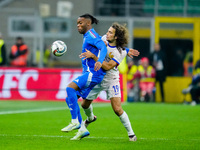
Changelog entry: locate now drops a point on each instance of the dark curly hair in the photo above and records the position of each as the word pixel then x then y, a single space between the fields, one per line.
pixel 122 34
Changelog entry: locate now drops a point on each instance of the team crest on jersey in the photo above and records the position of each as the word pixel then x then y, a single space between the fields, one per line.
pixel 110 55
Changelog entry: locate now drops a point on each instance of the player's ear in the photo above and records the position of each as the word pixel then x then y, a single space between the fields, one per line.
pixel 88 22
pixel 115 37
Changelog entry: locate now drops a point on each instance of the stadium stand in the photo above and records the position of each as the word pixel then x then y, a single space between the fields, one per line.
pixel 148 7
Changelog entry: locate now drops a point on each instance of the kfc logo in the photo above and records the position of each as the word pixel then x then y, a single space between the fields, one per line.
pixel 16 79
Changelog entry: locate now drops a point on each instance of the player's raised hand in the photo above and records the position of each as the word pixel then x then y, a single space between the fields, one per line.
pixel 86 55
pixel 133 52
pixel 97 66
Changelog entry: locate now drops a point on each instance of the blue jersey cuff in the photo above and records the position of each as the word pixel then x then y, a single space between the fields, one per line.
pixel 127 49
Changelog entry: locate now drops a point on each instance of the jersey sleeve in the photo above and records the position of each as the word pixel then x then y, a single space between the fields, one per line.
pixel 103 50
pixel 118 57
pixel 127 50
pixel 104 37
pixel 97 42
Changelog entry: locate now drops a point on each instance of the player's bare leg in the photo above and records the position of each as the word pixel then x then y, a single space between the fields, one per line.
pixel 116 105
pixel 88 109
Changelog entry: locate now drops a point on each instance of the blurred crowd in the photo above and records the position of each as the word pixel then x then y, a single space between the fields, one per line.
pixel 20 55
pixel 194 87
pixel 142 74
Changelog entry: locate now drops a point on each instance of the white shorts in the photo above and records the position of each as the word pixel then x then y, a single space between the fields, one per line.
pixel 111 87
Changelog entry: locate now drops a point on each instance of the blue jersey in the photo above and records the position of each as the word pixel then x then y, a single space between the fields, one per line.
pixel 92 42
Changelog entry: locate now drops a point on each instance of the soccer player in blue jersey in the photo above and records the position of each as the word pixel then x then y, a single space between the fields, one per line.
pixel 92 73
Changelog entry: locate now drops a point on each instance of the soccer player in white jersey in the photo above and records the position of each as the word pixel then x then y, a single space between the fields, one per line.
pixel 117 38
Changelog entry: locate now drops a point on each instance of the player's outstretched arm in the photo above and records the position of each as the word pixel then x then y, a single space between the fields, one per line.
pixel 133 52
pixel 105 65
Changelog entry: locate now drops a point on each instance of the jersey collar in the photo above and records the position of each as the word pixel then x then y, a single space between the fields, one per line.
pixel 88 32
pixel 111 46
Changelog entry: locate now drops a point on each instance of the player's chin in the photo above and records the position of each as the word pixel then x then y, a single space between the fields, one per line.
pixel 80 31
pixel 109 41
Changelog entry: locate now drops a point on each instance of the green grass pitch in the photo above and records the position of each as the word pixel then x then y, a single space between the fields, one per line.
pixel 34 125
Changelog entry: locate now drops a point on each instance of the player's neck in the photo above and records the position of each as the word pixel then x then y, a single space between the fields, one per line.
pixel 88 29
pixel 112 44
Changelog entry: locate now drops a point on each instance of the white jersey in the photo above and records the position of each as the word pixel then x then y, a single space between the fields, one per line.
pixel 110 83
pixel 114 54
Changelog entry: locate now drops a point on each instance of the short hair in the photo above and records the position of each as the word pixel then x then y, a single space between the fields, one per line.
pixel 19 38
pixel 92 18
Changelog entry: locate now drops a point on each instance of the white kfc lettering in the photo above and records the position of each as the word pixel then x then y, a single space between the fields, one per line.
pixel 66 78
pixel 9 83
pixel 23 83
pixel 14 78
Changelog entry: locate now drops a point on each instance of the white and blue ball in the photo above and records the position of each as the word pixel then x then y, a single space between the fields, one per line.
pixel 58 48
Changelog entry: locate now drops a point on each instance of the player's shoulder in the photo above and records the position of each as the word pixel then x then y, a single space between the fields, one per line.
pixel 119 55
pixel 92 34
pixel 124 52
pixel 119 52
pixel 104 38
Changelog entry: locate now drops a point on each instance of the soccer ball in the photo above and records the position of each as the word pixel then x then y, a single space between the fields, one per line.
pixel 58 48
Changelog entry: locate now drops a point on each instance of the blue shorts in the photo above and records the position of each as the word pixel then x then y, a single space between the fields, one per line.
pixel 86 83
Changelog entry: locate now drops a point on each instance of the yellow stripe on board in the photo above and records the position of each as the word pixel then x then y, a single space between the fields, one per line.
pixel 125 87
pixel 164 33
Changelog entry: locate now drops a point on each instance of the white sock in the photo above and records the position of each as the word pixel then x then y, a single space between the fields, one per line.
pixel 89 113
pixel 75 120
pixel 126 122
pixel 82 128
